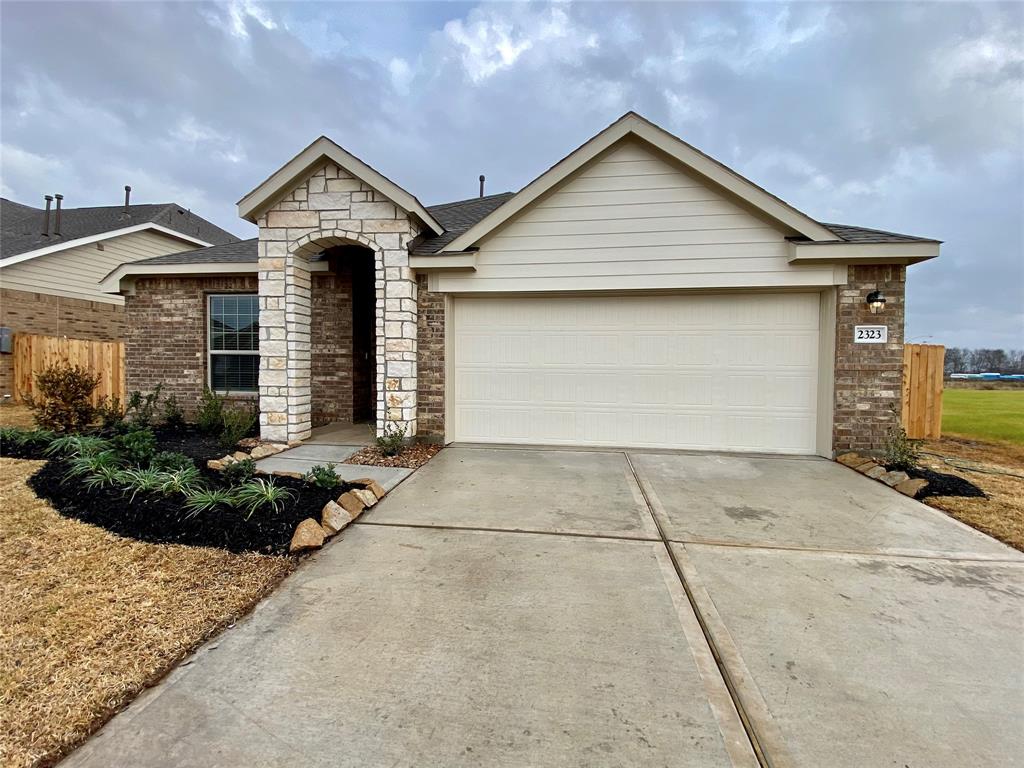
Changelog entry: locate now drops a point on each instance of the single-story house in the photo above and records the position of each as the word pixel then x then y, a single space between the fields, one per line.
pixel 52 260
pixel 637 293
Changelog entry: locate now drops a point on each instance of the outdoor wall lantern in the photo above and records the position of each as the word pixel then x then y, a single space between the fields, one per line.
pixel 876 301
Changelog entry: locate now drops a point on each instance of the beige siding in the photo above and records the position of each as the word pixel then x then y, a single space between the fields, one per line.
pixel 633 219
pixel 76 272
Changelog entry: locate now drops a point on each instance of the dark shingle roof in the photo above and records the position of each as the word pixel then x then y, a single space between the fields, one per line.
pixel 458 217
pixel 229 253
pixel 864 235
pixel 21 225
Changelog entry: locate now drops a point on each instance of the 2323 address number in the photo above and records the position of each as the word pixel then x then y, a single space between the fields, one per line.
pixel 870 334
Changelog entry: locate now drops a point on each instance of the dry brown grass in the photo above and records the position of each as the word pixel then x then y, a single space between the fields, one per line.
pixel 16 416
pixel 1002 514
pixel 88 619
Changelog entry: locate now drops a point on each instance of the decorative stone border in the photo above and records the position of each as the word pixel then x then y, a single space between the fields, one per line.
pixel 309 534
pixel 901 481
pixel 258 451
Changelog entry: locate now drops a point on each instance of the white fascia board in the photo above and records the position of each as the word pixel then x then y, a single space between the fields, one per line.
pixel 446 262
pixel 863 253
pixel 263 196
pixel 634 125
pixel 100 237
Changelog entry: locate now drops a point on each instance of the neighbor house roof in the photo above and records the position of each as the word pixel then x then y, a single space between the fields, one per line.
pixel 22 238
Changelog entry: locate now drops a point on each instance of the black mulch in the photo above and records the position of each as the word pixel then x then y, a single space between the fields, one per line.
pixel 160 519
pixel 942 484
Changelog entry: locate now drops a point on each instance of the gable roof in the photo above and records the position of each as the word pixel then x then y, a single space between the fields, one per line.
pixel 240 252
pixel 633 125
pixel 304 163
pixel 851 234
pixel 457 217
pixel 21 236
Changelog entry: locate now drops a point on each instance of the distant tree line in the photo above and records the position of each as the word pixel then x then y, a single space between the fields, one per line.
pixel 960 360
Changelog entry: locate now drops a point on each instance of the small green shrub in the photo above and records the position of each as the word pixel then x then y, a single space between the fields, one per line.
pixel 391 442
pixel 170 461
pixel 110 412
pixel 261 492
pixel 141 481
pixel 91 463
pixel 174 417
pixel 181 481
pixel 77 445
pixel 237 423
pixel 323 476
pixel 210 418
pixel 239 472
pixel 26 439
pixel 208 499
pixel 141 408
pixel 136 447
pixel 65 398
pixel 104 477
pixel 900 451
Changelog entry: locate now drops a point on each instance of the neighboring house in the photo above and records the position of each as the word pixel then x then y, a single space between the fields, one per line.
pixel 638 293
pixel 51 263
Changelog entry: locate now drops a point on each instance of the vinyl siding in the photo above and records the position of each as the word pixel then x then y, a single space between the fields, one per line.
pixel 633 219
pixel 76 272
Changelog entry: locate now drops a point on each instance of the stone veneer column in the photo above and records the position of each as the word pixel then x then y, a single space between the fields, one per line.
pixel 332 208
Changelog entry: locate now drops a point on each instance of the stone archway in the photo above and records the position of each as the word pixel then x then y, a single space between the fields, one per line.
pixel 329 209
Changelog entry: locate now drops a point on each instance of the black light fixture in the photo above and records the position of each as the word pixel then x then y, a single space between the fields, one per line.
pixel 876 301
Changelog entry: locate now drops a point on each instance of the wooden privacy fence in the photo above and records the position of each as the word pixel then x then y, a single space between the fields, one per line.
pixel 922 389
pixel 32 354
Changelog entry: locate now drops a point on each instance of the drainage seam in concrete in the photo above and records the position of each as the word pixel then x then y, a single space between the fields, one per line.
pixel 528 531
pixel 748 726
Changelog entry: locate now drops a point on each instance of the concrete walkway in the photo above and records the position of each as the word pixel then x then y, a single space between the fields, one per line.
pixel 553 608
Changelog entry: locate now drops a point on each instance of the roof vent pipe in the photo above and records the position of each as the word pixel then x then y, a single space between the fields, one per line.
pixel 481 185
pixel 127 197
pixel 46 216
pixel 56 222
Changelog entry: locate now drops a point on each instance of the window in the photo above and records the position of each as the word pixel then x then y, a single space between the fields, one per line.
pixel 233 343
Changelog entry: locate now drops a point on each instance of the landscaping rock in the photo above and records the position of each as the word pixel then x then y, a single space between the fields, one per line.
pixel 308 535
pixel 262 451
pixel 851 459
pixel 371 485
pixel 352 504
pixel 333 518
pixel 288 473
pixel 912 487
pixel 368 497
pixel 216 464
pixel 228 459
pixel 877 472
pixel 240 455
pixel 866 467
pixel 894 478
pixel 248 443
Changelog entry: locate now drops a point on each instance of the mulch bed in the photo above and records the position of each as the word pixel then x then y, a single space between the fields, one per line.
pixel 411 457
pixel 160 519
pixel 942 484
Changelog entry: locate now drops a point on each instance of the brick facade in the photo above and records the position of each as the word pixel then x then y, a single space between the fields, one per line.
pixel 331 348
pixel 430 384
pixel 48 315
pixel 868 377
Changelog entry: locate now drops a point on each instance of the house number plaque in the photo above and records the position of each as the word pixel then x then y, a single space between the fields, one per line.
pixel 870 334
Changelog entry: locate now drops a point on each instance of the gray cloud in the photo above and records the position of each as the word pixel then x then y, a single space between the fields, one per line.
pixel 900 116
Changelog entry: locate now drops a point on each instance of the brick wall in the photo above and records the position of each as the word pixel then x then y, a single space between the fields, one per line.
pixel 331 347
pixel 868 376
pixel 47 315
pixel 430 387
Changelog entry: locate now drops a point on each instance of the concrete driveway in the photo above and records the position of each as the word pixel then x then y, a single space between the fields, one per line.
pixel 555 608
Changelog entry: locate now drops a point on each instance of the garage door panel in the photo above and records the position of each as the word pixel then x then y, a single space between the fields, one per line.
pixel 704 372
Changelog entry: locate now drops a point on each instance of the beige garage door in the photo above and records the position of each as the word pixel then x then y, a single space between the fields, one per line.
pixel 718 372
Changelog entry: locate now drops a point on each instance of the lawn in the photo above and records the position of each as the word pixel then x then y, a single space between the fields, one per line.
pixel 88 619
pixel 993 415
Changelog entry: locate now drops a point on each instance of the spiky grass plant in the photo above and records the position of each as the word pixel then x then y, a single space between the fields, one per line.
pixel 77 445
pixel 261 492
pixel 183 480
pixel 208 499
pixel 142 481
pixel 90 463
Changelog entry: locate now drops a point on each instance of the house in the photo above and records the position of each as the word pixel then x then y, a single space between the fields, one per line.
pixel 51 262
pixel 637 293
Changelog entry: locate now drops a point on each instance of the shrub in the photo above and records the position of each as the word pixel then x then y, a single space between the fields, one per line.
pixel 323 476
pixel 390 443
pixel 261 492
pixel 239 472
pixel 237 423
pixel 207 499
pixel 64 402
pixel 900 451
pixel 110 412
pixel 170 461
pixel 210 418
pixel 136 447
pixel 174 417
pixel 141 408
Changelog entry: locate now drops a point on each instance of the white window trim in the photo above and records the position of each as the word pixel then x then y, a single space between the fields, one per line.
pixel 210 351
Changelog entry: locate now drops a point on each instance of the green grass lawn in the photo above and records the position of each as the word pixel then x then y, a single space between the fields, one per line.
pixel 984 414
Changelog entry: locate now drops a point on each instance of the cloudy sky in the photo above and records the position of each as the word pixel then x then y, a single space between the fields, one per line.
pixel 898 116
